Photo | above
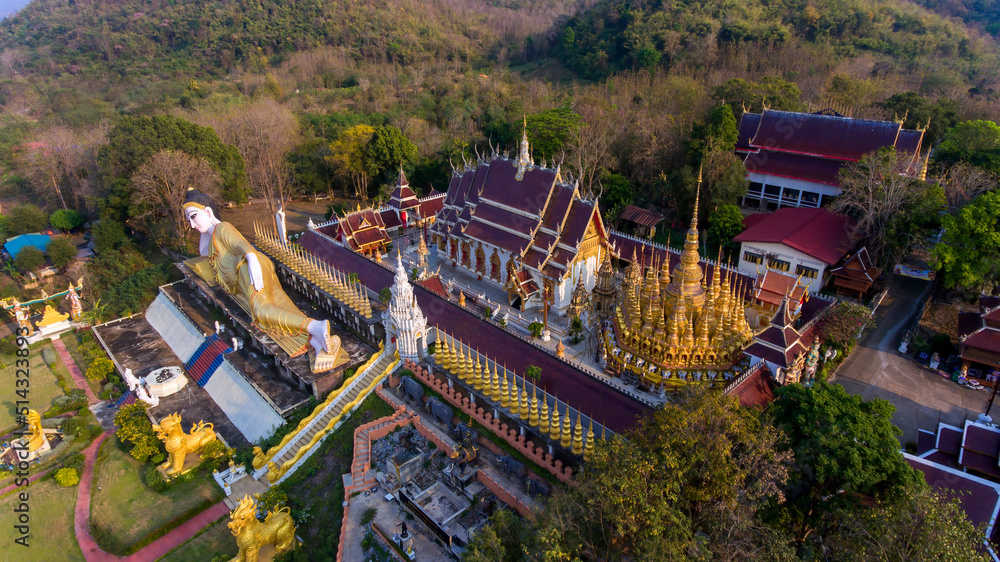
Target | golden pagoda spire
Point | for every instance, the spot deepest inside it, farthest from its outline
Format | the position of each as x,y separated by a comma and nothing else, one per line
588,451
543,421
495,380
533,410
554,426
441,349
504,391
515,397
477,375
578,436
566,438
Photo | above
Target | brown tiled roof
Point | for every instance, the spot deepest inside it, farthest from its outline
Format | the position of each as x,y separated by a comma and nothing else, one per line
859,267
827,136
986,340
767,353
533,259
502,217
528,195
430,205
434,285
603,403
640,216
579,219
390,219
507,240
544,240
370,236
772,286
558,207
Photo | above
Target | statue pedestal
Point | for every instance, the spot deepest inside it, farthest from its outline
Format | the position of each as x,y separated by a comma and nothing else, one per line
166,381
190,463
267,553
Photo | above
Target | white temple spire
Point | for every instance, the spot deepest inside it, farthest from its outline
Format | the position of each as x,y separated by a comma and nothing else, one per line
405,324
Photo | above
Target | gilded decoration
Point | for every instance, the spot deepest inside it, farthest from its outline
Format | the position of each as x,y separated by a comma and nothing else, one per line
251,534
677,325
179,444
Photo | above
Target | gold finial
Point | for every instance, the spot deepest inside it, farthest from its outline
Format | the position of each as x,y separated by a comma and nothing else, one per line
554,426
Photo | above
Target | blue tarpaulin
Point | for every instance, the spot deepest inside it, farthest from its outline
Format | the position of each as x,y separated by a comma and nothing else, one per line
14,245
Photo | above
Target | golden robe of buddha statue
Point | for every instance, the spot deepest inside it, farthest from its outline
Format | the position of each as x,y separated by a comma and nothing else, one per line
247,275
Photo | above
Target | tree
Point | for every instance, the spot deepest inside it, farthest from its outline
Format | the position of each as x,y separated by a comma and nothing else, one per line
161,183
67,477
55,155
505,538
265,132
589,144
772,91
891,209
387,149
968,253
61,251
725,222
109,235
135,428
134,140
846,455
686,483
923,526
25,218
617,195
974,142
533,372
348,157
64,219
550,130
918,111
844,323
964,182
99,369
717,134
29,259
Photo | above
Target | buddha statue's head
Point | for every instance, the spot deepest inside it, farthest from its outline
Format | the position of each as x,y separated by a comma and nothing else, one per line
201,211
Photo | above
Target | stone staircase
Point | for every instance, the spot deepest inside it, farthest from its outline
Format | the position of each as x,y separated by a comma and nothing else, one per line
362,475
336,408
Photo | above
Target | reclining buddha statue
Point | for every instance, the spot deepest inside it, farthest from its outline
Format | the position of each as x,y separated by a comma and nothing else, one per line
230,261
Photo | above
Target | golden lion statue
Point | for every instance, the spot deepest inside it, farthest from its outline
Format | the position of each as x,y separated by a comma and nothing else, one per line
178,443
277,529
36,435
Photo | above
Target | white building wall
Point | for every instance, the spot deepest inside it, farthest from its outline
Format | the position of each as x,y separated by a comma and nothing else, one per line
781,252
787,198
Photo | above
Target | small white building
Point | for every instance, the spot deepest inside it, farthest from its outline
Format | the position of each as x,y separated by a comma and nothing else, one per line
804,242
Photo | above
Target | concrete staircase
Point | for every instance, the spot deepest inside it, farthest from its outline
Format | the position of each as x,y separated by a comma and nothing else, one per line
336,408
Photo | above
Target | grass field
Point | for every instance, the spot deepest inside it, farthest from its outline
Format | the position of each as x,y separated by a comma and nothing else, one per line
82,360
124,511
212,541
51,511
42,390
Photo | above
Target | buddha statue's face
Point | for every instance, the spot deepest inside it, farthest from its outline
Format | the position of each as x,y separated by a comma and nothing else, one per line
201,220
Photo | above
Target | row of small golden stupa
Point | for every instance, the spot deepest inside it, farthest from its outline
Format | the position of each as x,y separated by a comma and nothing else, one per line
317,271
460,360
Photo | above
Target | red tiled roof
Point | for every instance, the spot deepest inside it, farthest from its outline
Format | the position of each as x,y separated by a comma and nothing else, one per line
794,166
577,222
757,390
431,205
828,136
767,353
772,286
640,216
487,212
390,218
434,285
497,237
603,403
986,340
980,499
815,232
528,195
747,129
558,207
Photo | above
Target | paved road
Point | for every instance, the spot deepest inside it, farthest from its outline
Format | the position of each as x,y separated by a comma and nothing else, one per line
876,370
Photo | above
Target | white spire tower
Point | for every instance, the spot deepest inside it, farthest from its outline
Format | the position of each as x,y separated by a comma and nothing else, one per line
405,325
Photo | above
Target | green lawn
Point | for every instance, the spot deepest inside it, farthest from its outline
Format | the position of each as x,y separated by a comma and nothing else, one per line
51,534
213,540
42,390
125,513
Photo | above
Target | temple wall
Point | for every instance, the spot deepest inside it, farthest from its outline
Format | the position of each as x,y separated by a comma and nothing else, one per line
249,412
782,252
174,327
509,434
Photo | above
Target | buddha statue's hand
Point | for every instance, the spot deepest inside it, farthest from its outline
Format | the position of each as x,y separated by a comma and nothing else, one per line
256,274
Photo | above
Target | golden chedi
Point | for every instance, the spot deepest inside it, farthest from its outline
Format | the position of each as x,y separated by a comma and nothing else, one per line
681,321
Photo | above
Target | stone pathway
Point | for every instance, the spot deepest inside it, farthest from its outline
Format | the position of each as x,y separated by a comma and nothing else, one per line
31,478
158,548
74,370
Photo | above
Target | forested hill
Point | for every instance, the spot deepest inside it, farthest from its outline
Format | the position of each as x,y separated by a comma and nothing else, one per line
978,13
622,34
101,38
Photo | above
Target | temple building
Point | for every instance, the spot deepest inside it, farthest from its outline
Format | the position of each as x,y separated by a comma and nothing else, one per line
794,159
521,226
370,231
672,323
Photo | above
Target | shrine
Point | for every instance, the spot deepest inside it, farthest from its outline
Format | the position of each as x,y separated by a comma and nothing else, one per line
521,226
678,324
